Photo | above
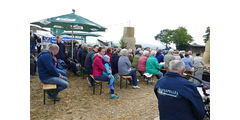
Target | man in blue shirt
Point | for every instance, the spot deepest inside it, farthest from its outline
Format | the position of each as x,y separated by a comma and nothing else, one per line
47,71
178,98
188,62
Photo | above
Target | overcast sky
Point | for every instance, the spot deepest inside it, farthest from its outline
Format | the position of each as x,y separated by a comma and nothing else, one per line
148,18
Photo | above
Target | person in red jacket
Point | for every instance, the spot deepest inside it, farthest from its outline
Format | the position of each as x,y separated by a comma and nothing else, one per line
109,53
98,69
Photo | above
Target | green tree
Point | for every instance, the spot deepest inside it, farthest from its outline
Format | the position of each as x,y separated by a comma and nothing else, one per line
206,36
181,38
165,37
122,43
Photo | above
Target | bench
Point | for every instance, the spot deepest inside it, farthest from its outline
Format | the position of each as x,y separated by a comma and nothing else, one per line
149,77
96,82
126,77
47,87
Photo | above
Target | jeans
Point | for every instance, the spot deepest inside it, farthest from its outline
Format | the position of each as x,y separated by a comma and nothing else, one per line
61,84
159,76
104,78
32,49
74,67
134,77
62,71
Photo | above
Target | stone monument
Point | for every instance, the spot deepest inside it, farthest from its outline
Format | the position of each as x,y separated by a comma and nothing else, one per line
128,37
206,55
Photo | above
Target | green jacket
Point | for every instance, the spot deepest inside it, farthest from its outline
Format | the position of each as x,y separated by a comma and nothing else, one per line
135,61
152,65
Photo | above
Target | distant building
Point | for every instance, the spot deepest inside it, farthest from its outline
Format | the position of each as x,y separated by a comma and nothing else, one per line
195,48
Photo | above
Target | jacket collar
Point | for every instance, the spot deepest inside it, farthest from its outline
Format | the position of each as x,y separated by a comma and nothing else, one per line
173,74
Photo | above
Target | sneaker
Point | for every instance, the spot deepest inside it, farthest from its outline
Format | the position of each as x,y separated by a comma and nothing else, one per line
113,96
136,87
57,98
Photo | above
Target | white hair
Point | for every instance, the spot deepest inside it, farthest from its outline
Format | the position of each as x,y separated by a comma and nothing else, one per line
171,51
123,52
189,52
176,65
153,52
145,52
53,47
141,52
138,49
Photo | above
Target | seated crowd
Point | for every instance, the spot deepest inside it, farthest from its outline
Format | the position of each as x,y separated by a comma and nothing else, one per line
107,64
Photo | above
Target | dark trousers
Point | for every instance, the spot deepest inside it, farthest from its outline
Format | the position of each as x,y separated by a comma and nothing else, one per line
141,73
134,77
39,49
32,49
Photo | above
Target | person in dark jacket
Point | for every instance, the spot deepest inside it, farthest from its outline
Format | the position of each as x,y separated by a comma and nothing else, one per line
82,55
114,63
33,42
178,98
33,65
78,51
47,71
88,63
62,55
159,56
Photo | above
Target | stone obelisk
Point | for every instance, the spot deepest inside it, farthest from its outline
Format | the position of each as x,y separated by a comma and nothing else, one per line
206,55
128,37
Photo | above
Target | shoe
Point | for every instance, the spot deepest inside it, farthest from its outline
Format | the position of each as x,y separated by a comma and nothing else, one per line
113,96
136,87
57,98
137,79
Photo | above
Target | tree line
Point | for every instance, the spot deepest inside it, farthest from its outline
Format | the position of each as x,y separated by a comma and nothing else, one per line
179,37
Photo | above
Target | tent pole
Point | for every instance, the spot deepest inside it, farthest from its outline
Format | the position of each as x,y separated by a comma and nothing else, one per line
72,42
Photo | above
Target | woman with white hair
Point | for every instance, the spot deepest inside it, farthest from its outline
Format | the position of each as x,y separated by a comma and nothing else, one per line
152,65
124,67
142,62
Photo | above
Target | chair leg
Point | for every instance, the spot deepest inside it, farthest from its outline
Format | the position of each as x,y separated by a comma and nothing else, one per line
44,96
93,88
100,88
126,82
120,83
54,96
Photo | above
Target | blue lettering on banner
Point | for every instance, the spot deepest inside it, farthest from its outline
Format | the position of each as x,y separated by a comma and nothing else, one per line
167,92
